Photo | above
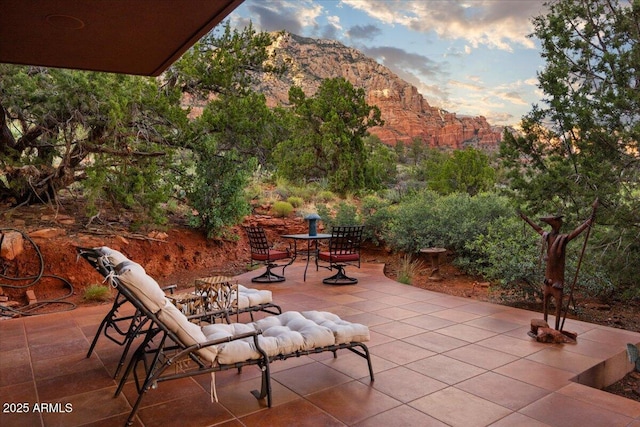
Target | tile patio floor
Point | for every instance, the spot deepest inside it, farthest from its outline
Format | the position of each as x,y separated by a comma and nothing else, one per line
439,361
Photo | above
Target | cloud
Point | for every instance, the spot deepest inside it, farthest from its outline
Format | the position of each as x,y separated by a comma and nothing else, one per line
395,58
498,118
514,98
334,21
293,16
498,24
467,86
366,32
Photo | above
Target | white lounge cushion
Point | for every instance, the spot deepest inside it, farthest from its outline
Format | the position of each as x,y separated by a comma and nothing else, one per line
344,332
189,333
233,351
114,257
282,334
249,297
133,276
290,331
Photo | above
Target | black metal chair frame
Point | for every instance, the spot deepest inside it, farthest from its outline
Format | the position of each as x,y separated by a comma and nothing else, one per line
163,356
263,253
344,250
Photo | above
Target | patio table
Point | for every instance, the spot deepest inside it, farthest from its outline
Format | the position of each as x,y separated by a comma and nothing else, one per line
312,247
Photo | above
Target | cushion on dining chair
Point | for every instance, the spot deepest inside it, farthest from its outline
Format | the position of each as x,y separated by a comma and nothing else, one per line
273,255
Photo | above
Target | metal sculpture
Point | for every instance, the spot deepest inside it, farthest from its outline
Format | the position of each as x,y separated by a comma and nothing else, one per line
555,257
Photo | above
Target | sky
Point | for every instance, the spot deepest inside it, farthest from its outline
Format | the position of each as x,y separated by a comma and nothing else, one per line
471,57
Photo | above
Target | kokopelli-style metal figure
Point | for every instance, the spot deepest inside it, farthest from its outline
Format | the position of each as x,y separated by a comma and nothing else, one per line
555,257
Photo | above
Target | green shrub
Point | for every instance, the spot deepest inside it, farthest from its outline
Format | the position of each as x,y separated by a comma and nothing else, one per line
428,220
97,293
325,196
217,193
376,215
507,255
282,209
295,201
345,214
325,215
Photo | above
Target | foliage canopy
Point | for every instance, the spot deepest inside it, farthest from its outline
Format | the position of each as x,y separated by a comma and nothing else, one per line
582,143
328,137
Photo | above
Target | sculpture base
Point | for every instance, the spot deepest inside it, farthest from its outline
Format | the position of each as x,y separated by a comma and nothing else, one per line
541,332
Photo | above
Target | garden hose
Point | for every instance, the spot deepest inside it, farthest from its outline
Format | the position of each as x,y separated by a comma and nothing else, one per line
30,310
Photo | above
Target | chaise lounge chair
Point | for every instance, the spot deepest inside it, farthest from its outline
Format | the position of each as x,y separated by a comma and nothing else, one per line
173,347
124,329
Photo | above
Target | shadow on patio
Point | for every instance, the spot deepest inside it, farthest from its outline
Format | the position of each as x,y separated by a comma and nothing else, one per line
439,360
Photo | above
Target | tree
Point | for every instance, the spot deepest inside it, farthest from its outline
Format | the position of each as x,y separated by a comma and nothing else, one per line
224,62
119,134
328,138
399,148
465,171
381,167
238,132
235,128
58,127
417,150
582,143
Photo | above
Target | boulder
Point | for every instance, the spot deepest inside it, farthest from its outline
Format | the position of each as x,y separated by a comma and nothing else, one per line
12,245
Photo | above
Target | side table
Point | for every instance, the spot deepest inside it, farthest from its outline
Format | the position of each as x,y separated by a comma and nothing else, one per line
434,254
220,294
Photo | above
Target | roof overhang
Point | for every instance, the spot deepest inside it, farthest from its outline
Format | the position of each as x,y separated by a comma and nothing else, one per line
141,37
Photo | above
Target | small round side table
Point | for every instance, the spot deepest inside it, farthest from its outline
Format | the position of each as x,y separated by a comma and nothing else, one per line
434,254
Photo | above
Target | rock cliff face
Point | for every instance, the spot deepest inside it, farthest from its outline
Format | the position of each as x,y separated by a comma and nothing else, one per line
406,113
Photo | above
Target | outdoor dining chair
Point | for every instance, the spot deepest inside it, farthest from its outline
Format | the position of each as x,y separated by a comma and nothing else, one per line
263,253
344,250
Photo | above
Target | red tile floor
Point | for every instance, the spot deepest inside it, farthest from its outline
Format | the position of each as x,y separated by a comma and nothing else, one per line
439,360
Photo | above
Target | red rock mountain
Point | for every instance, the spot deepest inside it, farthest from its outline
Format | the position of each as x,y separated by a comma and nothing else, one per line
406,113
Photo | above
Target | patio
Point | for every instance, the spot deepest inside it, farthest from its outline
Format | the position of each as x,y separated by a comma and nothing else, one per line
439,361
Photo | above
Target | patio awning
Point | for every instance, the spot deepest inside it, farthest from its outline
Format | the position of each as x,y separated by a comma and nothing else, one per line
139,37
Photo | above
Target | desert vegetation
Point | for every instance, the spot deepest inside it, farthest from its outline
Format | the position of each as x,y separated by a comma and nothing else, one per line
200,144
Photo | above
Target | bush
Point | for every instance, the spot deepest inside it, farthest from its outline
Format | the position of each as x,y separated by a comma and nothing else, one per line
282,209
217,193
508,256
325,196
376,214
428,220
296,202
345,214
97,293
